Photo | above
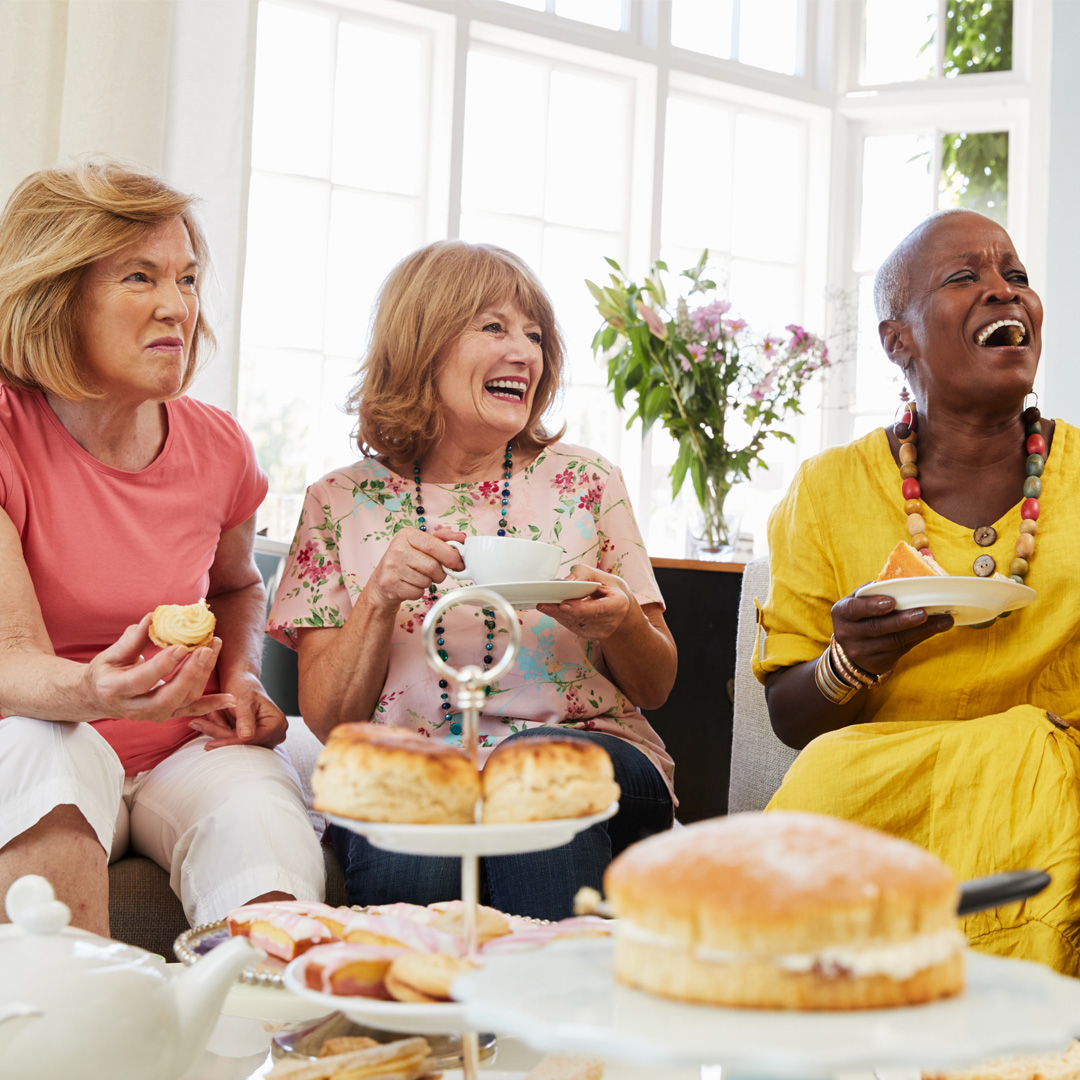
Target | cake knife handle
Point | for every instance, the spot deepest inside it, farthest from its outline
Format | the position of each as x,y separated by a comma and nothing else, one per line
981,893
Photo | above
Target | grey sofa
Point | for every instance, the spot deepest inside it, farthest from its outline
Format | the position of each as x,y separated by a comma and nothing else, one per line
758,758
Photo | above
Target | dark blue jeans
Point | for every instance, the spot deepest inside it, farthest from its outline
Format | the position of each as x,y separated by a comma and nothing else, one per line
541,884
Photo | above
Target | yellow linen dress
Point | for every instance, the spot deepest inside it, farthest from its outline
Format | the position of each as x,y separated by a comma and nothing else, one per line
967,750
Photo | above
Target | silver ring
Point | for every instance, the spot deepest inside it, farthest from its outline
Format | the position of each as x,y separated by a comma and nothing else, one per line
470,675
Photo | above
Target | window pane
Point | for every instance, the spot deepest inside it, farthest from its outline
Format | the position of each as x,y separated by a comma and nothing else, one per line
293,93
899,40
978,36
606,13
770,164
975,173
369,234
877,381
505,129
702,25
522,236
532,5
580,189
380,148
697,175
333,444
896,193
769,34
768,297
285,272
571,256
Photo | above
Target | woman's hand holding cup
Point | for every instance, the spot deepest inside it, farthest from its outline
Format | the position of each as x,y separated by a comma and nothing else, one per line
413,561
875,636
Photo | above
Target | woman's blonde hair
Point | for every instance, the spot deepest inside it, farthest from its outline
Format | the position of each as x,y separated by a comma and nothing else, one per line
56,223
424,305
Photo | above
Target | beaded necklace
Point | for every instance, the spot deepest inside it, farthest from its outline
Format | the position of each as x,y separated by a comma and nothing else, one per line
445,708
906,430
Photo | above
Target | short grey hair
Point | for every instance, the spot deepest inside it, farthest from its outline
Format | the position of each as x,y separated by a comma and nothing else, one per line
892,281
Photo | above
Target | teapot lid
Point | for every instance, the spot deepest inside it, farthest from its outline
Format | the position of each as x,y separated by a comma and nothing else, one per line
31,905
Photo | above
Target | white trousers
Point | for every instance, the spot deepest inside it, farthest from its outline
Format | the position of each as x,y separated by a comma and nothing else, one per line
227,824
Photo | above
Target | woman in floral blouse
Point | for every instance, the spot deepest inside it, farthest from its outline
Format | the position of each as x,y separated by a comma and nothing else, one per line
464,360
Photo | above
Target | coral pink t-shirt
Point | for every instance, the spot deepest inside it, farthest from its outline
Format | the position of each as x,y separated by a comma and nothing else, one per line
104,546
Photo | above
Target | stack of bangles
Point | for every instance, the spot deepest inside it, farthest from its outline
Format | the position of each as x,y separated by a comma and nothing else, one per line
838,679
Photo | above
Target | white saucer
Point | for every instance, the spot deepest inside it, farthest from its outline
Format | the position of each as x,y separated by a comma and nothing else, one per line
472,839
414,1018
527,594
967,599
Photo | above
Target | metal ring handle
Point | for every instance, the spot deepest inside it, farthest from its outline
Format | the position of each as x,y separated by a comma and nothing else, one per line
490,599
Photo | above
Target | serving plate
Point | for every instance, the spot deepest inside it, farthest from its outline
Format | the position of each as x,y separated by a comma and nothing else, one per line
414,1018
473,839
564,998
527,594
967,599
195,943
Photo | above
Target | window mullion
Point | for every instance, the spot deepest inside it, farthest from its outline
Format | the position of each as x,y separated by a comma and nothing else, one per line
457,142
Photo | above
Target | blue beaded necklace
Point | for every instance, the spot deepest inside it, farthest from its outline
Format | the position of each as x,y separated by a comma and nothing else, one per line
445,707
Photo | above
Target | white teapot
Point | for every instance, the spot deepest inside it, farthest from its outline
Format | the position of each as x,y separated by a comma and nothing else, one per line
73,1004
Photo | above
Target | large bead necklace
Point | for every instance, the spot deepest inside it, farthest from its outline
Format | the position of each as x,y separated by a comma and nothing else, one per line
906,430
445,708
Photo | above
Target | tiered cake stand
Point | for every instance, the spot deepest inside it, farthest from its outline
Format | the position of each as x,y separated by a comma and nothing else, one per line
467,842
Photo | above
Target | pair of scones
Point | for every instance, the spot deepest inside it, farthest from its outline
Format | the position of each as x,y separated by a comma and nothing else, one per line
373,772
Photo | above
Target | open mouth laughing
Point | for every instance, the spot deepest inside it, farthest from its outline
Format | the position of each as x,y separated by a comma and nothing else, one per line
1003,332
507,389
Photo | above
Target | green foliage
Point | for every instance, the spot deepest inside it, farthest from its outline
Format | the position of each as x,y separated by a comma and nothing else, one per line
978,36
975,172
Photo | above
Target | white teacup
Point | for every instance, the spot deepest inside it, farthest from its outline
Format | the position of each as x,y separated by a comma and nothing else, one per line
494,560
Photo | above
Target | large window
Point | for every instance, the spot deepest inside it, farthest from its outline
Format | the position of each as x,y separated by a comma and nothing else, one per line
797,141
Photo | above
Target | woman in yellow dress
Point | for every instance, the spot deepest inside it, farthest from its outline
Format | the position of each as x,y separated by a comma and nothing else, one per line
958,738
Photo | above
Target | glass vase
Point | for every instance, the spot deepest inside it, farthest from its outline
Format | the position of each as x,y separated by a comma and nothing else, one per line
713,525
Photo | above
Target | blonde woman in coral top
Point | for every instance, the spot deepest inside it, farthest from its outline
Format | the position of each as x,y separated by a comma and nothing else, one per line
117,494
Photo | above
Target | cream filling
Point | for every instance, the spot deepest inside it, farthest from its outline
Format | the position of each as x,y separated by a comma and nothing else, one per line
898,960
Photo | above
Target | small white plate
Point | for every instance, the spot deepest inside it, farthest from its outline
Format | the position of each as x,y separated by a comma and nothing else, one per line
472,839
967,599
414,1018
527,594
564,998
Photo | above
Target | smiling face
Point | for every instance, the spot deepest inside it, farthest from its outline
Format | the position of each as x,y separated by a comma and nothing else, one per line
971,330
139,309
487,380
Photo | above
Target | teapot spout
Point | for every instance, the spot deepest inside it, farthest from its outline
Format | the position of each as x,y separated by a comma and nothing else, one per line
13,1018
200,991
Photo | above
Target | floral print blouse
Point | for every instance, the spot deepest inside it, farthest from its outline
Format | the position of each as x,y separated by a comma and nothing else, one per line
567,496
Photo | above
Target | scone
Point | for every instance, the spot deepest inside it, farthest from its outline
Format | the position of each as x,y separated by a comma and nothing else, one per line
543,778
394,776
191,625
785,910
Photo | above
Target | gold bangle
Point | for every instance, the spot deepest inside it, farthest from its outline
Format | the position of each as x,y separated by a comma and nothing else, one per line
829,686
851,673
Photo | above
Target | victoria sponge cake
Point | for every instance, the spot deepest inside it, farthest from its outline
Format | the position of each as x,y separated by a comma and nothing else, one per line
785,910
376,773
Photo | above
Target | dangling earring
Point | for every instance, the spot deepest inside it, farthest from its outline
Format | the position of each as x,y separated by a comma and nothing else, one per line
1032,416
904,428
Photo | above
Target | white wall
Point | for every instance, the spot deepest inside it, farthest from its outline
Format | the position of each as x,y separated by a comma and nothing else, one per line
1061,353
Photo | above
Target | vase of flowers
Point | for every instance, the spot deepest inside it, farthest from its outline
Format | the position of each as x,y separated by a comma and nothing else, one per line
720,389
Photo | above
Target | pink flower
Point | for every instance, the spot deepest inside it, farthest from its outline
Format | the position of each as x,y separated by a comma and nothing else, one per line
697,352
771,345
733,327
655,323
684,363
706,319
489,490
563,482
590,498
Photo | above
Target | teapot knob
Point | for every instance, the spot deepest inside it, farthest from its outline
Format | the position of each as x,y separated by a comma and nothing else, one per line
32,905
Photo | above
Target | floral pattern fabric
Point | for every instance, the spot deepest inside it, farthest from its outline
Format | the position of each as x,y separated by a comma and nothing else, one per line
567,496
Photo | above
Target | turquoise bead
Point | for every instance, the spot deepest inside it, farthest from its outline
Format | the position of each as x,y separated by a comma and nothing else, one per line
1017,578
1034,465
455,729
1032,487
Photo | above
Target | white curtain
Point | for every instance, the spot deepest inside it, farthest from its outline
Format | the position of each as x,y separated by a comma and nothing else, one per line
166,84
